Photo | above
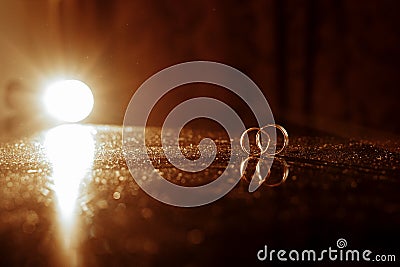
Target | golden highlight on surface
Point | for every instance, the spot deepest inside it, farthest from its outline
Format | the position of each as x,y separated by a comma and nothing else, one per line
70,149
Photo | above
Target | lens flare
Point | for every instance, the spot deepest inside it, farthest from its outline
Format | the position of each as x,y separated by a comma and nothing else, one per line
68,100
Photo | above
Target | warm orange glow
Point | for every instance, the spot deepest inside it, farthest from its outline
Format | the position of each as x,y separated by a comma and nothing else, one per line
68,100
70,149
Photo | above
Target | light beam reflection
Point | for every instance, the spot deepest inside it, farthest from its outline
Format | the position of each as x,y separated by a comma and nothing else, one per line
70,149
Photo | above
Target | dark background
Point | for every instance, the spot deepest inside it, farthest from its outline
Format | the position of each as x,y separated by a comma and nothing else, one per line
334,62
314,60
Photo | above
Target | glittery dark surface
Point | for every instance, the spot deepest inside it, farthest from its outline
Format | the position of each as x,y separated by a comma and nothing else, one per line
337,188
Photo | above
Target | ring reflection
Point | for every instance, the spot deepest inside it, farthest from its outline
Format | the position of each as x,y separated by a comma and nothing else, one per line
257,171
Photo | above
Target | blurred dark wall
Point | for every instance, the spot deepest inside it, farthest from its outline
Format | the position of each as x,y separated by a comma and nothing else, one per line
337,60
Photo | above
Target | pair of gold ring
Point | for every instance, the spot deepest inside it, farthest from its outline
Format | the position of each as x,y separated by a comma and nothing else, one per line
264,146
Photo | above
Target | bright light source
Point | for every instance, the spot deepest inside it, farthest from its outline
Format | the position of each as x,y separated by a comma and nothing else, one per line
68,100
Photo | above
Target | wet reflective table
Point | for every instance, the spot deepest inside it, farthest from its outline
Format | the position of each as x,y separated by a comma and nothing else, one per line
68,199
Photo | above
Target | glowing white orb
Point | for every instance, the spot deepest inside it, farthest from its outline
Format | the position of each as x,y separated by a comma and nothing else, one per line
68,100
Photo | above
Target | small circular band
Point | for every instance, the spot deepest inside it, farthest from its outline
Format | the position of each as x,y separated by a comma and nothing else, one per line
285,139
263,150
243,136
